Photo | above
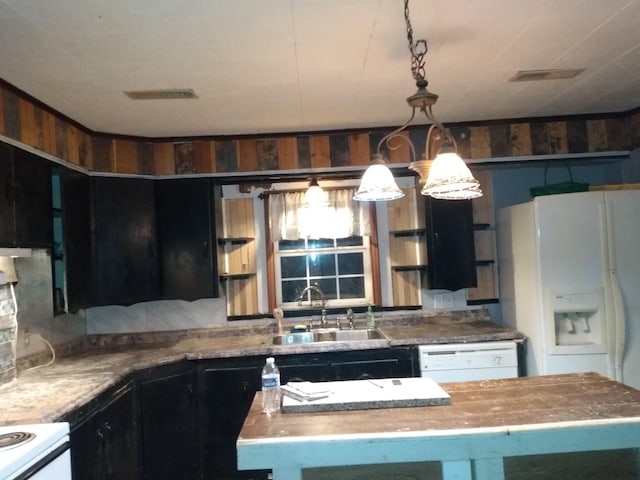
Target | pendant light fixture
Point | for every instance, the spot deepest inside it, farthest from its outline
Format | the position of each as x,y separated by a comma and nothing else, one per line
448,176
377,183
315,196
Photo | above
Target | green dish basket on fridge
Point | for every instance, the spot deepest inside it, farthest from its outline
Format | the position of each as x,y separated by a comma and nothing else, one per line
556,188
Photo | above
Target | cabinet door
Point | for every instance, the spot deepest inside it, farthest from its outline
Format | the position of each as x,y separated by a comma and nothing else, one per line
33,203
450,246
168,421
186,235
124,232
25,199
104,446
226,395
76,218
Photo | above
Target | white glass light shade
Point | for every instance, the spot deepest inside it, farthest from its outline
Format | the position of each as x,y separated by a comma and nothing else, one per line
315,196
378,184
450,179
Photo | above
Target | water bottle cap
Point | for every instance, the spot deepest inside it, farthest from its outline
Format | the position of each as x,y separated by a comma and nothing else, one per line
271,360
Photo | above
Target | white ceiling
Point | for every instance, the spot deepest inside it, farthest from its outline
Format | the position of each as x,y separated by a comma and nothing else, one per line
266,66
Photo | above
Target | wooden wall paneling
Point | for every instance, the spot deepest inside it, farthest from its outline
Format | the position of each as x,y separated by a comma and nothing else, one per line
242,296
125,156
486,288
618,133
634,130
49,133
304,151
557,137
359,149
164,159
483,211
406,288
499,136
62,147
11,115
247,156
597,135
407,250
484,241
339,150
577,136
462,136
520,139
287,153
29,132
73,145
205,152
85,152
102,154
404,213
144,153
480,143
227,156
185,158
267,155
320,151
539,138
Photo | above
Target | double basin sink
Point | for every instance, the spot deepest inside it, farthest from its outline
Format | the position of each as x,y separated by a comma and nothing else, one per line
328,335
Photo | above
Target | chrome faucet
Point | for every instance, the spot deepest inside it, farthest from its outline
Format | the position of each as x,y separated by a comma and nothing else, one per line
323,299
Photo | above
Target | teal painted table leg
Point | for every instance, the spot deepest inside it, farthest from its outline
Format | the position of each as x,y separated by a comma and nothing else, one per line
287,474
488,469
456,470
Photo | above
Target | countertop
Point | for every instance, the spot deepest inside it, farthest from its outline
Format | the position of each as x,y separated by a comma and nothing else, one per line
484,422
49,393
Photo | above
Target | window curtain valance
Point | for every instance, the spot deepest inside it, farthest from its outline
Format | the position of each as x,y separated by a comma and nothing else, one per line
291,219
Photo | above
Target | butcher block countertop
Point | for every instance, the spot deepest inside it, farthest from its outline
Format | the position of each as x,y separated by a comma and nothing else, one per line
47,394
485,421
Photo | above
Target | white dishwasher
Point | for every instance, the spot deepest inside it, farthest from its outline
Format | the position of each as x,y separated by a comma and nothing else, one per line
459,362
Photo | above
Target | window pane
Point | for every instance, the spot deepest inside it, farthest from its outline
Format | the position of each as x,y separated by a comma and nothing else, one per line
291,289
328,287
321,243
352,287
349,241
293,267
350,263
322,265
291,244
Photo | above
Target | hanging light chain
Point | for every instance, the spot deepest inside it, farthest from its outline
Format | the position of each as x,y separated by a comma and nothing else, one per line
418,49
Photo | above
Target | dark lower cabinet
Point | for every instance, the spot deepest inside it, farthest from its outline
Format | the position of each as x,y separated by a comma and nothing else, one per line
168,423
228,386
104,437
227,389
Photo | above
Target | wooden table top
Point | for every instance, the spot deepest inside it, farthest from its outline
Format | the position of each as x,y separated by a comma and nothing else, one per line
583,398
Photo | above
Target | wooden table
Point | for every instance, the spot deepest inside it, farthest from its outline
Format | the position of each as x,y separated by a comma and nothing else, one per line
486,421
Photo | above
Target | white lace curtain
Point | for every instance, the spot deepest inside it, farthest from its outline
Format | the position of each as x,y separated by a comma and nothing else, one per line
291,219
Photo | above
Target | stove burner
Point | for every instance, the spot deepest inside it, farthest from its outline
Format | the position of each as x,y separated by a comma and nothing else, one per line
13,439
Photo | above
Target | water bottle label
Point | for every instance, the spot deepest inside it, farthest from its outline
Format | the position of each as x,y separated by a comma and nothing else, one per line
270,381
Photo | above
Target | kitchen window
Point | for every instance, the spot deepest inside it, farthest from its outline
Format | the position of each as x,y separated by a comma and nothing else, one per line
327,246
341,268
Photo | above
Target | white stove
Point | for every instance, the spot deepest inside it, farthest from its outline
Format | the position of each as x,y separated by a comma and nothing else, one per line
35,452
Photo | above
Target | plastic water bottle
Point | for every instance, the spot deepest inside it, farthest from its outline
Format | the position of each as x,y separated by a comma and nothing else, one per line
270,387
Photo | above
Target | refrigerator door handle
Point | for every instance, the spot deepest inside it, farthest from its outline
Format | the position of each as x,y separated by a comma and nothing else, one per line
616,292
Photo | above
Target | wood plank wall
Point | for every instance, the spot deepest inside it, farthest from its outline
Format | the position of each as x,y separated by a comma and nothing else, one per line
26,121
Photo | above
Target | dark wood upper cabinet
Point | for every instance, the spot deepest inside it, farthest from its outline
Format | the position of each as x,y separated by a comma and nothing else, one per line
125,256
450,244
75,190
25,199
186,238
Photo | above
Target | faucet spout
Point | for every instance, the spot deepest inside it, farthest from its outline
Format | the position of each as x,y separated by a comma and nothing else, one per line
309,290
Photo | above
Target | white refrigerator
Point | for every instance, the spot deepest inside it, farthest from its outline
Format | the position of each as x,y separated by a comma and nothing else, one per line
570,281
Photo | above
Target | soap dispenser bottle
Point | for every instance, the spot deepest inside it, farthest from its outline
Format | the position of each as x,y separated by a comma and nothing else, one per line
371,321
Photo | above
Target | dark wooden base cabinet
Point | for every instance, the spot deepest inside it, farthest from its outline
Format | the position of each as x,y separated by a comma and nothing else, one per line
104,437
181,421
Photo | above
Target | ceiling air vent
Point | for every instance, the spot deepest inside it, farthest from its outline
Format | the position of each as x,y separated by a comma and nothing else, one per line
551,74
161,94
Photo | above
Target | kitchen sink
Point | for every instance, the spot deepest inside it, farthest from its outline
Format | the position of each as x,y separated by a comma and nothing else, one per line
328,335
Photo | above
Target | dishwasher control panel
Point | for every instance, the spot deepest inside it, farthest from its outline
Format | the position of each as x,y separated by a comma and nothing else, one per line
456,362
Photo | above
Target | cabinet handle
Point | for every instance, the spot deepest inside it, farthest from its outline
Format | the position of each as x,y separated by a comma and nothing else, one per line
108,447
205,249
